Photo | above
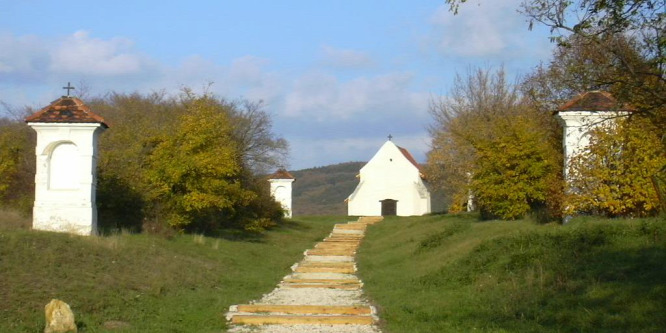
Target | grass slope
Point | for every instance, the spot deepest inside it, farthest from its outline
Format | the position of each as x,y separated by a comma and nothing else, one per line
454,274
184,284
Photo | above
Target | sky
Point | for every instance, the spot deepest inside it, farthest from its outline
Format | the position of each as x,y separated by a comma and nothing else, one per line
337,76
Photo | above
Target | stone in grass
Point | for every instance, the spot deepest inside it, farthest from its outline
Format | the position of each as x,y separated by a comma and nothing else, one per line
59,317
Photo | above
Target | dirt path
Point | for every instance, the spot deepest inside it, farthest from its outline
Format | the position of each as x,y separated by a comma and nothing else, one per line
322,294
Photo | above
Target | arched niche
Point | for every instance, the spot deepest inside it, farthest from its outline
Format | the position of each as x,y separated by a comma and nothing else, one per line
280,192
63,166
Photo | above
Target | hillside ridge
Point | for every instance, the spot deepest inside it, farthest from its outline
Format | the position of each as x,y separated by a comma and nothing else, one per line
323,190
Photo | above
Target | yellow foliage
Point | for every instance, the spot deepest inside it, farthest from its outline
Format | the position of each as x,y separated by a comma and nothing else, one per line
615,175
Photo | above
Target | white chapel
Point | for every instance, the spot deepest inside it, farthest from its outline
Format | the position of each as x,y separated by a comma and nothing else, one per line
391,183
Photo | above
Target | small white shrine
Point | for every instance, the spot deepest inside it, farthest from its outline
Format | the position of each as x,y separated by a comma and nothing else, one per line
66,174
583,114
391,183
281,182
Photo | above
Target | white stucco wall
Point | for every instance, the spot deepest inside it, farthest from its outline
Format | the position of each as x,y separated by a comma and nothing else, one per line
577,126
65,178
389,175
281,192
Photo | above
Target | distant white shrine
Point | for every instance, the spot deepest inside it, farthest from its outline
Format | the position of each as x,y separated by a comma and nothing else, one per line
583,114
391,183
66,176
281,182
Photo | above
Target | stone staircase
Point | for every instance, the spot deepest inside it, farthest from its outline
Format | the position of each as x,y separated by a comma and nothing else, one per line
322,294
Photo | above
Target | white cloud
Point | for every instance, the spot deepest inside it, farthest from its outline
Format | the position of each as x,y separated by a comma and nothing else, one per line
344,58
481,28
81,54
22,58
323,97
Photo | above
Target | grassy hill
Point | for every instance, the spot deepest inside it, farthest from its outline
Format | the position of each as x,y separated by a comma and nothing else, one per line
439,273
322,190
455,274
153,284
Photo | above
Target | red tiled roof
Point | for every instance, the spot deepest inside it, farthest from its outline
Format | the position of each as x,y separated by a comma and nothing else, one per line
409,157
595,101
281,174
66,110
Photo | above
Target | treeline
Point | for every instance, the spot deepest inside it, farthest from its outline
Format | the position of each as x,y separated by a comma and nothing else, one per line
498,142
189,163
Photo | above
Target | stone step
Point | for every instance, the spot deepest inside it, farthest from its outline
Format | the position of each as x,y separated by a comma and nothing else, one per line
306,309
344,270
347,234
348,231
326,264
330,252
322,281
302,320
342,238
335,246
328,259
350,226
321,286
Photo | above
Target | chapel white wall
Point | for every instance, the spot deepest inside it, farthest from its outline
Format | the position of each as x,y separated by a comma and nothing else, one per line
65,186
389,175
281,190
577,126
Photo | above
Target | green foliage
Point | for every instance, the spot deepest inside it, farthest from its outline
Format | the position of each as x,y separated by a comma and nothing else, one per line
592,274
615,175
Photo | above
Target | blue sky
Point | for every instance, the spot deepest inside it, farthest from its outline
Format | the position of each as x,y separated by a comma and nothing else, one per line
337,76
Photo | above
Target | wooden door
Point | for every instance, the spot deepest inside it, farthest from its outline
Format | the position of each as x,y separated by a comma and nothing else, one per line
389,207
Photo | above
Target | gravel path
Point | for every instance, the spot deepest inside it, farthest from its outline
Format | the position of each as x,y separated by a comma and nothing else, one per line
285,295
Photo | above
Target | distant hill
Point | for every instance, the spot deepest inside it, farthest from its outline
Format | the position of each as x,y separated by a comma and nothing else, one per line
323,190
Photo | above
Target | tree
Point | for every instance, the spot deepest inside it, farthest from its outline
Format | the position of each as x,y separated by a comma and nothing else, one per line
17,164
150,140
260,149
195,171
490,141
609,26
614,176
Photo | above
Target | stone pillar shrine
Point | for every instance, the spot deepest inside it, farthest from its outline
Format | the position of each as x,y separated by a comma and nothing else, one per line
583,114
281,189
66,173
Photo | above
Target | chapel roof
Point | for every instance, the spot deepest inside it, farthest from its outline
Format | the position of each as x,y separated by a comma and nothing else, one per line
409,157
595,101
281,174
66,109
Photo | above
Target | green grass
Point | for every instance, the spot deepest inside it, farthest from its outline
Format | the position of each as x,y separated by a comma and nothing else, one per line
184,284
455,274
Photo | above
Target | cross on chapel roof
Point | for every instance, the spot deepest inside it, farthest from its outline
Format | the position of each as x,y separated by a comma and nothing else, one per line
69,87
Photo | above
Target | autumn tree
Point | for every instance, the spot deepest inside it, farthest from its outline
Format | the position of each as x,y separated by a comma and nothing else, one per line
487,140
617,46
191,162
195,171
615,175
17,160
